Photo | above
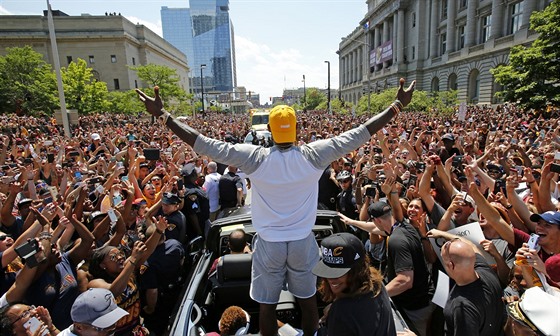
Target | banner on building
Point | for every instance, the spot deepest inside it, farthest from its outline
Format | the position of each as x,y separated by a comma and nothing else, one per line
384,52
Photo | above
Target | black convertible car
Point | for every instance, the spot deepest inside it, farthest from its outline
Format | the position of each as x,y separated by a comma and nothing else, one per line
204,299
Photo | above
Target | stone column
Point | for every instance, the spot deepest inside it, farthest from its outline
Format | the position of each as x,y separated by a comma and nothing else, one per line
451,30
434,20
400,36
376,42
386,37
497,18
529,6
470,33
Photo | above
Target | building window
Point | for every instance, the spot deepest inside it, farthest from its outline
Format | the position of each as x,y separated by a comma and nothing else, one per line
413,20
69,59
444,9
461,39
413,52
133,61
113,58
443,43
91,59
516,17
117,85
486,28
462,4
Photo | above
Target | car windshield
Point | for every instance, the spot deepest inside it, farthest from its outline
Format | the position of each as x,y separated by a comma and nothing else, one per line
260,119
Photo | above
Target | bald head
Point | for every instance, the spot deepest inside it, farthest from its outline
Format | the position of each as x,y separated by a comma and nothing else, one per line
461,254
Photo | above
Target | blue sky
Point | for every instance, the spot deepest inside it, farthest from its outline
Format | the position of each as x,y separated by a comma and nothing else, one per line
277,41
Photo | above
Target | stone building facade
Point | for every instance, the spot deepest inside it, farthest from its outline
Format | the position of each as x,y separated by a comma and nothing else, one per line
442,44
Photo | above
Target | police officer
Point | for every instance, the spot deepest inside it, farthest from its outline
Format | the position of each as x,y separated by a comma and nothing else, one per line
160,281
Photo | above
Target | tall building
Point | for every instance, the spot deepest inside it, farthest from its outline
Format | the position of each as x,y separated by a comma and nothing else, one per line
109,45
442,44
204,32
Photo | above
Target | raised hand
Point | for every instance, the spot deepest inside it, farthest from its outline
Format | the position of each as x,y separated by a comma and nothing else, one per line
153,105
405,96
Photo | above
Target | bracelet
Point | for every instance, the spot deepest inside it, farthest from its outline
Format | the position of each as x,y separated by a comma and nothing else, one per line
395,108
399,104
163,118
132,262
394,192
159,231
45,235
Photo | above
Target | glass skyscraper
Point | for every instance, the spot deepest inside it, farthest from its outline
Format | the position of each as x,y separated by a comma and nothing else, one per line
204,32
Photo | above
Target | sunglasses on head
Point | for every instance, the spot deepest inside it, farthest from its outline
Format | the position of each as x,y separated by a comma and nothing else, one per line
3,237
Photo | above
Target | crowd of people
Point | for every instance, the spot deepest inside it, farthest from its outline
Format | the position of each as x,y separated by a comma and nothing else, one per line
110,212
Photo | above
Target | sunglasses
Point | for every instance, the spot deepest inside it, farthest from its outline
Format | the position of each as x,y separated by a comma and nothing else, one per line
346,180
3,237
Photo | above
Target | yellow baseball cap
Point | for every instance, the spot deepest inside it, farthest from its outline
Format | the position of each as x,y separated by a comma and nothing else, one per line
282,122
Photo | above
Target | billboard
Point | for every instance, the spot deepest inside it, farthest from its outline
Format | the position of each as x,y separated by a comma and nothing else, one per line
384,52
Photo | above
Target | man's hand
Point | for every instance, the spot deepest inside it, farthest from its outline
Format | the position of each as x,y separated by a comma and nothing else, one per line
154,105
404,96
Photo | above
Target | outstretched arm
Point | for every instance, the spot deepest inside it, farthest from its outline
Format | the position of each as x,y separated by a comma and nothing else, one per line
155,107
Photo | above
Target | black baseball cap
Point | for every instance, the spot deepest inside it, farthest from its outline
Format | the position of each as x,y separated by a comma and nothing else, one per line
378,209
340,252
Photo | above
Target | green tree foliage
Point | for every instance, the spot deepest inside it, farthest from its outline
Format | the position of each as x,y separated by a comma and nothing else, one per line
27,83
81,90
124,102
533,73
167,80
315,99
439,102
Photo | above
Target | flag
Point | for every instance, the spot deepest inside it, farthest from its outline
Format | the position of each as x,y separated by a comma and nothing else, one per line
366,25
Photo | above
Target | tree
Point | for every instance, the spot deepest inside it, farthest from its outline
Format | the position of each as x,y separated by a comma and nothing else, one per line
315,99
532,76
167,80
439,102
82,91
27,82
124,102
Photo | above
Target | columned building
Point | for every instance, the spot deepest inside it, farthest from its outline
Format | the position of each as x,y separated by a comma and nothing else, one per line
109,44
442,44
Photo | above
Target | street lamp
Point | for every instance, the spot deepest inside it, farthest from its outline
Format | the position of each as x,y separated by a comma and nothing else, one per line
202,66
329,86
304,96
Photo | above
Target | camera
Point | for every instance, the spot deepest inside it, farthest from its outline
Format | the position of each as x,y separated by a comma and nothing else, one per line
371,191
420,166
27,252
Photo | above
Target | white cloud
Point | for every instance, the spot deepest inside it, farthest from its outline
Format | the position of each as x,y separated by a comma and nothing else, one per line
155,27
268,72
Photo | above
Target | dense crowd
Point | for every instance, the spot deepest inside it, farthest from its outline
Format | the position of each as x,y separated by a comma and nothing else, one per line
116,205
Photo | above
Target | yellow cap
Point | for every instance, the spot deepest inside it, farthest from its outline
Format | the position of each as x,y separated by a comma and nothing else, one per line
282,121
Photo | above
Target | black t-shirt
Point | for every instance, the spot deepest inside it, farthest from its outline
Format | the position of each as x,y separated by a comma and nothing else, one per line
362,315
405,254
328,190
228,185
476,308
